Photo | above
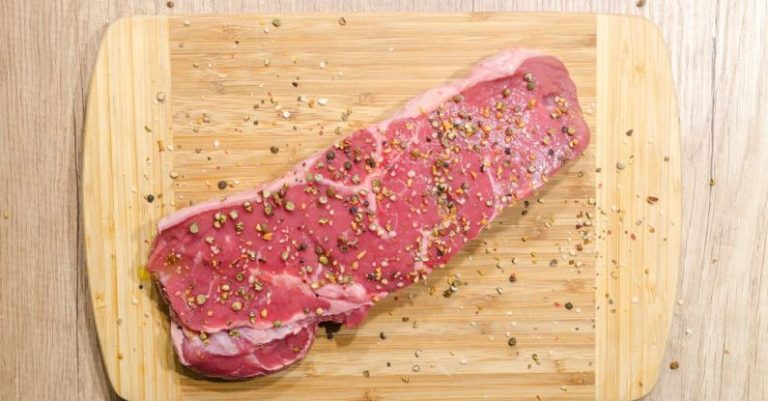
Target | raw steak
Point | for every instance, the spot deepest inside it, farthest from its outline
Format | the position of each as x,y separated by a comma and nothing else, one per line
249,277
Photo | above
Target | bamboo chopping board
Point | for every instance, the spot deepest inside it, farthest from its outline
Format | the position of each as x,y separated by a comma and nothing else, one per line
179,104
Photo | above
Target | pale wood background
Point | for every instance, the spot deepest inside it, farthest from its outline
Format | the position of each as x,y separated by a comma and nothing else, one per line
719,55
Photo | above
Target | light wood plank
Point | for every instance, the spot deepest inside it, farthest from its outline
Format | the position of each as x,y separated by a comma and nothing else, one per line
38,213
726,304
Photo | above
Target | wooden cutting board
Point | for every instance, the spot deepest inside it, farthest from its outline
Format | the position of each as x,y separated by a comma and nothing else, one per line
173,111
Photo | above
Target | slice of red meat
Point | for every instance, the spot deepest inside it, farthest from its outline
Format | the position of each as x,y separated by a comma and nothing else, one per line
249,277
229,356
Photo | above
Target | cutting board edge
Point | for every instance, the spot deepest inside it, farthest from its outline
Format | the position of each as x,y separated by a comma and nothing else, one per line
99,130
90,131
646,70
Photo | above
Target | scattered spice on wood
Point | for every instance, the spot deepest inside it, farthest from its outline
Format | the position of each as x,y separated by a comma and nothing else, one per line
170,4
342,21
553,263
160,96
276,22
222,185
174,174
621,165
651,200
382,336
274,149
512,341
640,3
568,305
452,288
674,365
150,198
513,278
712,182
367,373
630,132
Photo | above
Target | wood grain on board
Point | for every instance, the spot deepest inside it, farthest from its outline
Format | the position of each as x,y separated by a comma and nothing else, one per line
194,101
639,194
127,130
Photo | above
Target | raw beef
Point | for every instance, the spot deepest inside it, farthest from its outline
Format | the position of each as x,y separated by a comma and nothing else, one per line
249,277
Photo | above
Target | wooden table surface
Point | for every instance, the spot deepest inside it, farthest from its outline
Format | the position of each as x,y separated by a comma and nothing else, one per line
719,334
